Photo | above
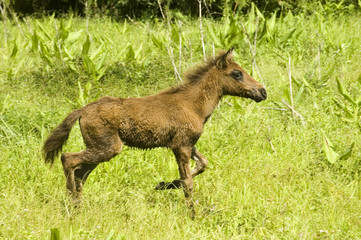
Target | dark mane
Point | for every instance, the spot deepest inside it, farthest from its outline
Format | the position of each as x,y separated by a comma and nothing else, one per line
195,74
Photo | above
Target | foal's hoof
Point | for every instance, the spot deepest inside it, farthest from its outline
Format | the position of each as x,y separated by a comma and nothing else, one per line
169,185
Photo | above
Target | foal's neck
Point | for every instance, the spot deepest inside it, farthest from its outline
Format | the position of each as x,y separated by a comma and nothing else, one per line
205,97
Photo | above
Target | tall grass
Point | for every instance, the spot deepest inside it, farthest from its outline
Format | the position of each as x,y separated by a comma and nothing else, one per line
286,168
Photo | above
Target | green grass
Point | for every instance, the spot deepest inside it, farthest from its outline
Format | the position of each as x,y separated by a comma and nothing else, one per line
268,177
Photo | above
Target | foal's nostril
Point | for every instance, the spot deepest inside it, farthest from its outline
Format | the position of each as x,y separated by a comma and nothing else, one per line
263,92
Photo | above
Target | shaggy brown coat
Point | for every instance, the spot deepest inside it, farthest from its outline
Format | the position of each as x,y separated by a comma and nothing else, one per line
173,118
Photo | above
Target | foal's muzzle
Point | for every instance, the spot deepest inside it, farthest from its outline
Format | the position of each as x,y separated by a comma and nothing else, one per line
260,94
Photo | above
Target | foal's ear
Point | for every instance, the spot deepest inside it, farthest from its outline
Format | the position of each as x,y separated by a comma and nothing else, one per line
224,59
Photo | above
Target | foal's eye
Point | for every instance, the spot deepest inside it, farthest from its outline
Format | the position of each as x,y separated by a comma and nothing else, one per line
238,75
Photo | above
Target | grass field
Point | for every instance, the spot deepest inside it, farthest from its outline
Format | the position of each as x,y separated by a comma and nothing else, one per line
286,168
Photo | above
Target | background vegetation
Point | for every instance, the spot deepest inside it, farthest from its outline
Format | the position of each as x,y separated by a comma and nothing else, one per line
120,9
286,168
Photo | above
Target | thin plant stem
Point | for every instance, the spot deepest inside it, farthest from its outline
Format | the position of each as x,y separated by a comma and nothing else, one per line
253,49
180,45
161,10
290,82
170,49
201,29
3,12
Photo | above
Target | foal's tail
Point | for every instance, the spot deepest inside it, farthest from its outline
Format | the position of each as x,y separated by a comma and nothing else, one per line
54,143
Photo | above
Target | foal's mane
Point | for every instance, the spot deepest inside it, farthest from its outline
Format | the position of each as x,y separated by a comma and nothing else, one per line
195,74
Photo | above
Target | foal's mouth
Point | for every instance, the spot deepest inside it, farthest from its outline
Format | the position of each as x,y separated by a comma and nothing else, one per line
259,94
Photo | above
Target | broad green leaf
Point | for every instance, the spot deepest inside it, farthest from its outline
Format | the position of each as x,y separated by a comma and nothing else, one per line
14,51
45,53
44,30
137,53
10,74
68,54
344,92
297,33
307,84
259,14
73,36
64,33
88,64
56,49
299,93
110,235
86,46
87,88
175,33
71,65
343,107
130,52
349,120
327,148
101,62
271,24
358,101
347,153
34,41
286,93
97,52
270,28
69,23
71,102
80,99
251,27
54,234
215,38
101,73
157,42
359,76
288,35
125,26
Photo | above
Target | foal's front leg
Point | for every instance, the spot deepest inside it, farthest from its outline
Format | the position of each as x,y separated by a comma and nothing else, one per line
201,164
183,155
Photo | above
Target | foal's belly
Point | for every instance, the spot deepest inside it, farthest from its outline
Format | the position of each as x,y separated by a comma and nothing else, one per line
146,138
159,137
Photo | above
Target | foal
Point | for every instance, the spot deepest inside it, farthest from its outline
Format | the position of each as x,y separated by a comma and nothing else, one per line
173,118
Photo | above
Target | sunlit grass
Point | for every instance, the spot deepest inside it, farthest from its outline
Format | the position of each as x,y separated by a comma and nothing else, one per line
267,177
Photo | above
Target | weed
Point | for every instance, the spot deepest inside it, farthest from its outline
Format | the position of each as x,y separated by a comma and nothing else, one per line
271,174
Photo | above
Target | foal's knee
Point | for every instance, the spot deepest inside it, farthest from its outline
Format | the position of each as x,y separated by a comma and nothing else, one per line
63,158
188,184
203,165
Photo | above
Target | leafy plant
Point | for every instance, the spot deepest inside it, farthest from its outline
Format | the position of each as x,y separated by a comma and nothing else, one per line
331,154
131,55
96,70
229,35
350,106
243,140
55,48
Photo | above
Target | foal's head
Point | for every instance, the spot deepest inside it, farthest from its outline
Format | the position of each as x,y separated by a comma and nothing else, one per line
235,81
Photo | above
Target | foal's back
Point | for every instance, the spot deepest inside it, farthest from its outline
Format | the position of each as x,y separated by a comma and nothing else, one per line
161,120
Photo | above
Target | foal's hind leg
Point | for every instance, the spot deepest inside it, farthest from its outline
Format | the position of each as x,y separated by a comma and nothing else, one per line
201,162
82,174
66,159
75,175
77,166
